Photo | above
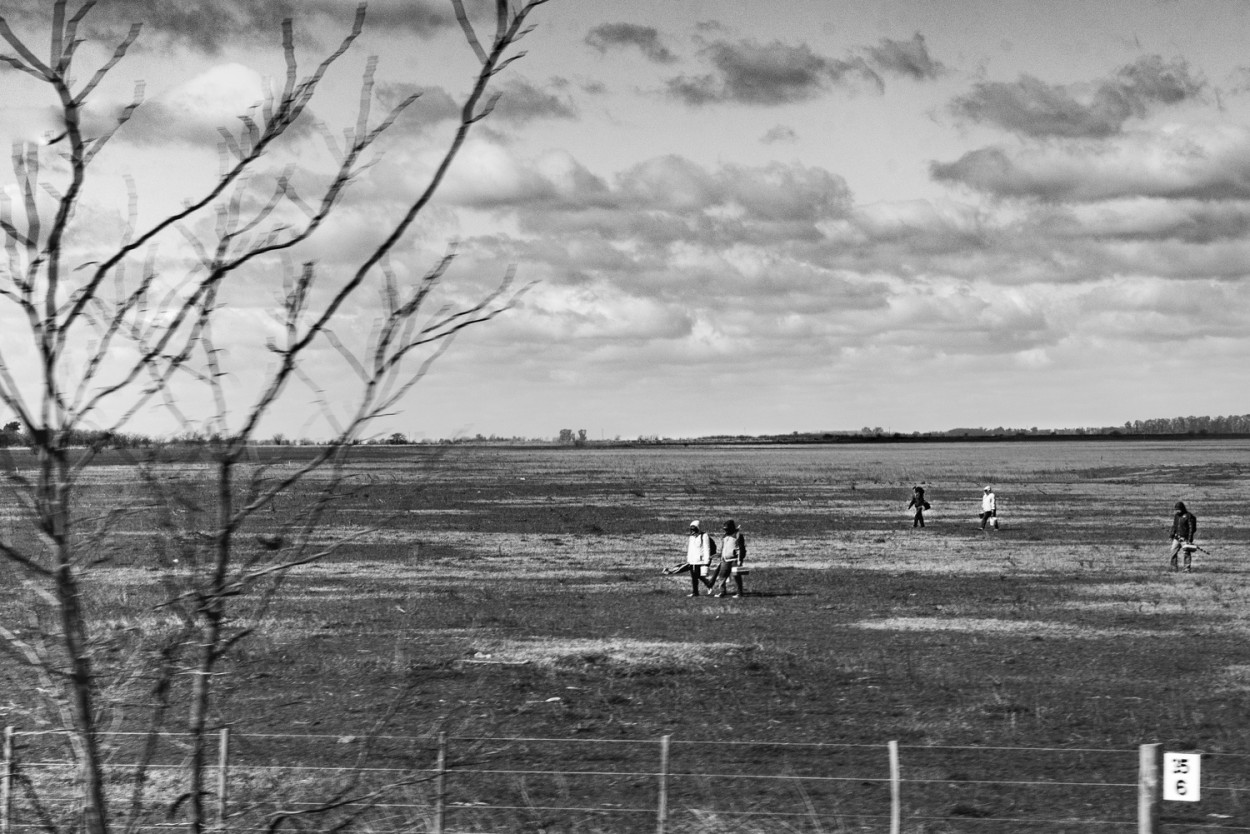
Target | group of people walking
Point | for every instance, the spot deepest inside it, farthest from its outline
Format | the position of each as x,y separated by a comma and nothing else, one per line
1184,524
712,567
989,507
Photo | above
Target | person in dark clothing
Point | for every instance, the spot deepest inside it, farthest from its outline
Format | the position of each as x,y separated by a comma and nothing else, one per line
917,501
733,553
1184,526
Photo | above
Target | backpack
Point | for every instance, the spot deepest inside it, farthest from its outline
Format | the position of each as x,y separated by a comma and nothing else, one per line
711,544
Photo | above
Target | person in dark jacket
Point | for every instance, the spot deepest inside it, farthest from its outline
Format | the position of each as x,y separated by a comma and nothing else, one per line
1184,526
733,553
917,501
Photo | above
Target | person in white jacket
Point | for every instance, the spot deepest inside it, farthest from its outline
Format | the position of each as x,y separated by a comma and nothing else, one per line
989,508
700,548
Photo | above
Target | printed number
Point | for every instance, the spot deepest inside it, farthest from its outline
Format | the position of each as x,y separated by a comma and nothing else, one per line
1180,766
1180,787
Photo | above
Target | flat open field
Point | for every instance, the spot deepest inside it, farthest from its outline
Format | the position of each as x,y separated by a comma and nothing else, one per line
518,593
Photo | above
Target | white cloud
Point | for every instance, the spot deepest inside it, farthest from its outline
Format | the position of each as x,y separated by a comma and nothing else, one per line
216,97
1202,161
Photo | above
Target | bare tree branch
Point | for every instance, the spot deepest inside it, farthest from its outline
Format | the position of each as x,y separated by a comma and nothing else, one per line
116,332
469,34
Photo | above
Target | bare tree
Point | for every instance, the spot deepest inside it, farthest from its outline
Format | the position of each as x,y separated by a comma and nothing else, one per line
112,332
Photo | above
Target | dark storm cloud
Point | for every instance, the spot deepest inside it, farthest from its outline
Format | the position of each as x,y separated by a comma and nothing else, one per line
747,72
620,35
1031,107
906,58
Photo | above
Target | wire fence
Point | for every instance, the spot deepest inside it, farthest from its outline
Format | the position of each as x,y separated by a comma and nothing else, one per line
462,784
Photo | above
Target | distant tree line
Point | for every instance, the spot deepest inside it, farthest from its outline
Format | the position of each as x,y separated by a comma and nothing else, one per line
568,437
1232,424
14,435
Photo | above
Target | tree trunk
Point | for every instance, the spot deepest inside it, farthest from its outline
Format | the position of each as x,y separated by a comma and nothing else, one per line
211,616
56,484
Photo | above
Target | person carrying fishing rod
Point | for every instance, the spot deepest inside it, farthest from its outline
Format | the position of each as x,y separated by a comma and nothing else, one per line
700,548
1184,527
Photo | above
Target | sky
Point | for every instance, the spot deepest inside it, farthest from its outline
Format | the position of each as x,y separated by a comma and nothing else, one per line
734,217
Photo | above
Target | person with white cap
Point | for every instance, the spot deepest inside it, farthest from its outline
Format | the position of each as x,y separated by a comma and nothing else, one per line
733,553
989,508
700,548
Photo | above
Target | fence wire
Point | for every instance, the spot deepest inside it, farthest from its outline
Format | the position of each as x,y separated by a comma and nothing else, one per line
490,784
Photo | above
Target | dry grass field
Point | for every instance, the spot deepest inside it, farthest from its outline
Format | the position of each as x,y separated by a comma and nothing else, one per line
509,593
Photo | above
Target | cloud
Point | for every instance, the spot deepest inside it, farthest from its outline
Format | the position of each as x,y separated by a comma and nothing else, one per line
208,27
1031,107
433,105
1176,162
770,192
620,35
665,191
779,133
909,58
192,112
671,201
520,102
672,266
1192,221
748,72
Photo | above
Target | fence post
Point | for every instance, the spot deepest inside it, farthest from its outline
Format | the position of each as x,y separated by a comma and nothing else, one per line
6,782
440,771
662,814
1148,789
223,775
896,802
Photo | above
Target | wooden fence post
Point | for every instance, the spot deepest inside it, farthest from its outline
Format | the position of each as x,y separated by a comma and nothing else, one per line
896,801
223,775
6,782
1148,789
662,814
440,771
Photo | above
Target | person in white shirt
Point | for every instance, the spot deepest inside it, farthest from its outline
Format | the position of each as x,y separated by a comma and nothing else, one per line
989,508
700,548
733,554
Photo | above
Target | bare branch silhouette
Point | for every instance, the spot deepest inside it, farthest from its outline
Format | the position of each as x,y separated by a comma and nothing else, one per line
116,329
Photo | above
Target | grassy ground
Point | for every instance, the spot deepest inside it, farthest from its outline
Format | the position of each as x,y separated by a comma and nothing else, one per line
518,593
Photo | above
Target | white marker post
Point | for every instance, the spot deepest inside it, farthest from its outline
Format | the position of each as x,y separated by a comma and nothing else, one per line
1182,777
